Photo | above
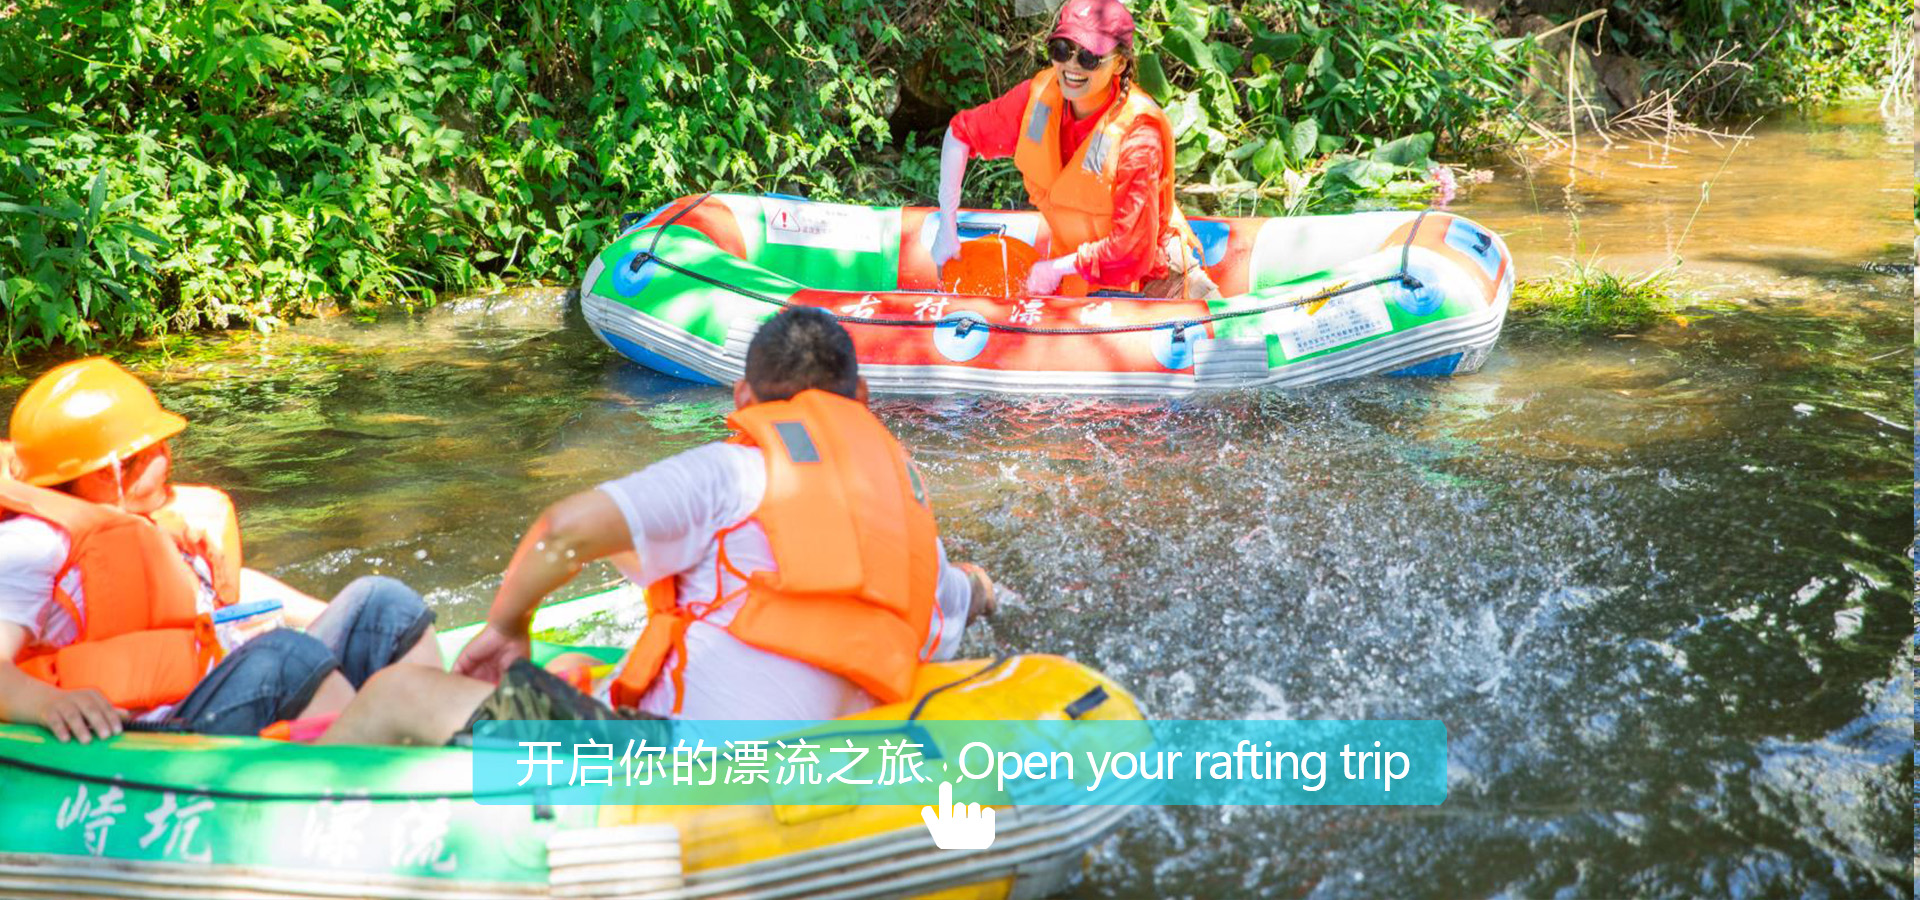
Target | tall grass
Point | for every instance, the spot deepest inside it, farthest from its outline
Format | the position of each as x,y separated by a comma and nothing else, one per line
1584,298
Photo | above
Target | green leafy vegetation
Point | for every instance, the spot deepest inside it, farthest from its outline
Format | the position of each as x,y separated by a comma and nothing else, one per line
1777,52
1586,299
1299,106
169,166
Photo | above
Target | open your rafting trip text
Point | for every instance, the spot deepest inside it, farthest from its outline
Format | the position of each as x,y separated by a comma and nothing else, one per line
1247,761
1086,762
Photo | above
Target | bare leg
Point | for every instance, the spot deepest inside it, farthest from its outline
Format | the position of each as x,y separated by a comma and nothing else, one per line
334,695
426,652
408,705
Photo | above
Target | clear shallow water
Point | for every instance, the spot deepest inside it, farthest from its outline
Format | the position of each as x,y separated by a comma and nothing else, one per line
1802,198
1657,587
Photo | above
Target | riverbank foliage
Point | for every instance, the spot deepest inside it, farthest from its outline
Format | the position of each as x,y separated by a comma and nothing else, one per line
167,165
1775,52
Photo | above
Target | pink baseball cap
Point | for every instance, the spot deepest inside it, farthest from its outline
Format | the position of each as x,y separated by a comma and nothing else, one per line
1098,25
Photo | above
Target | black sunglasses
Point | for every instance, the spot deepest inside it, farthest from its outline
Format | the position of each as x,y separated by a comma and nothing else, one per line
1060,50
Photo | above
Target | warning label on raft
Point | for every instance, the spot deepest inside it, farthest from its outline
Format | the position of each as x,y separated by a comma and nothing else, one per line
828,226
1342,320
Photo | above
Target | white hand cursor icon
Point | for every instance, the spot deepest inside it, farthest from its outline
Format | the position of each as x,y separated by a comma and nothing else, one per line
958,826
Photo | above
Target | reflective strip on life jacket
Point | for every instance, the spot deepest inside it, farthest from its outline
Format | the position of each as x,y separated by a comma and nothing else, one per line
854,547
1077,197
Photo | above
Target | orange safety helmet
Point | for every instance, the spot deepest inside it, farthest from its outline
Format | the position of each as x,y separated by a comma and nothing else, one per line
991,266
83,416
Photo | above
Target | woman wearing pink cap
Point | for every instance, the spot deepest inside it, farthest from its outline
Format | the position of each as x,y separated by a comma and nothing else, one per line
1096,154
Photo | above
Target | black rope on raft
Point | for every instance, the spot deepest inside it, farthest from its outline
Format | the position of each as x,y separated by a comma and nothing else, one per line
963,326
1406,249
921,706
644,255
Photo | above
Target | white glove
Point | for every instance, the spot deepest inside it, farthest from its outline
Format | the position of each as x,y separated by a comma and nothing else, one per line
1046,275
953,168
946,244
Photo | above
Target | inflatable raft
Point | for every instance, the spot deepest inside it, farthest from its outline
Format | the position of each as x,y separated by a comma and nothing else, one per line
1308,299
165,815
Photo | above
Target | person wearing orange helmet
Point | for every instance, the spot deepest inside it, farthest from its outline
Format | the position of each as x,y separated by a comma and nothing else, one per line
110,576
1096,156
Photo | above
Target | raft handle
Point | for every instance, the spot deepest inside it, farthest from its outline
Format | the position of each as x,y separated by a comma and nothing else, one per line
978,229
1087,703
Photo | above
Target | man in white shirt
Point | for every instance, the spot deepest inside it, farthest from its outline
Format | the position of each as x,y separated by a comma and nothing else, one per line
696,526
666,521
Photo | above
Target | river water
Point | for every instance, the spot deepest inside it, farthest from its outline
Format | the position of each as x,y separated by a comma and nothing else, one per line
1657,587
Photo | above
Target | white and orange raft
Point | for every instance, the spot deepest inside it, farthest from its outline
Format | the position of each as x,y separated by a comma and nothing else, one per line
1307,299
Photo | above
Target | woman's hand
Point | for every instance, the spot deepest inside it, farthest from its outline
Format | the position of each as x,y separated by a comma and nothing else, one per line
1047,274
953,168
946,243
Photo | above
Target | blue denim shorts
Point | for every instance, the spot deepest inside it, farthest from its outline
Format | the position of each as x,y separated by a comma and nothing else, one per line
367,626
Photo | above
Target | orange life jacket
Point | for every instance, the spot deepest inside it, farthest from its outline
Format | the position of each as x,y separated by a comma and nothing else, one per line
854,547
142,640
1077,198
